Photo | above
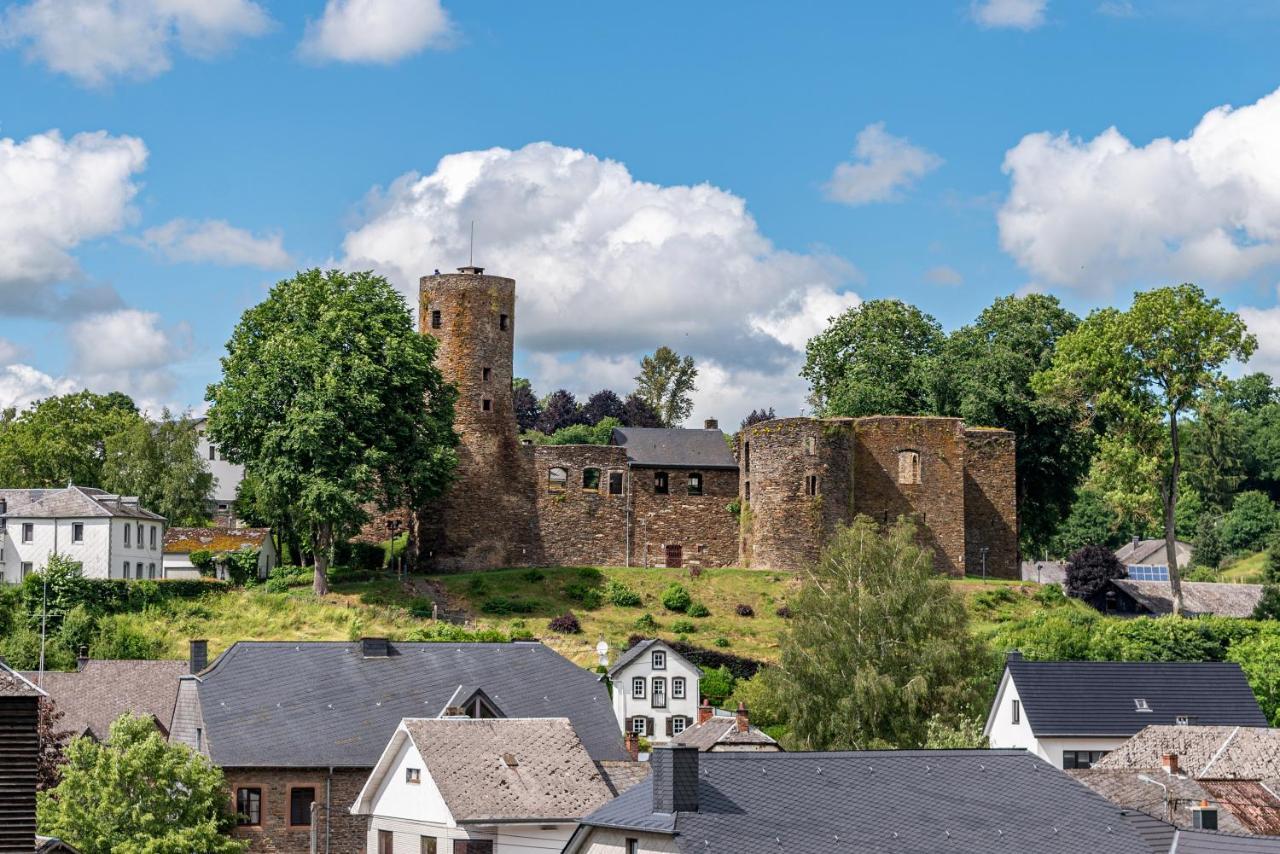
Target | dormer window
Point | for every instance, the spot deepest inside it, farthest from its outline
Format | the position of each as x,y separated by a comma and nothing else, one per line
659,660
1140,705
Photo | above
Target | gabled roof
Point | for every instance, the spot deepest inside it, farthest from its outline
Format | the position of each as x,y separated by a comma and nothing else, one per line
14,684
73,502
641,647
1149,551
1217,752
674,447
1208,842
93,697
957,801
1198,597
1100,698
185,540
322,703
721,732
530,769
1131,789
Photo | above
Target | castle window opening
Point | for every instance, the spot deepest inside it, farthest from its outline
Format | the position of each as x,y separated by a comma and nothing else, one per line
435,319
503,322
557,478
811,485
484,374
695,483
660,486
746,489
810,445
591,480
746,457
908,467
615,483
486,404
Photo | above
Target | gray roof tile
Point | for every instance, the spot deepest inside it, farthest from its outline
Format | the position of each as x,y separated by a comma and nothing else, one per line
90,699
675,447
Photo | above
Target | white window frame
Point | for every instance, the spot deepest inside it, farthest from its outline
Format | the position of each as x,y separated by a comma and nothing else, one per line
1017,711
126,569
26,568
28,532
639,726
677,688
153,537
659,659
677,724
659,699
77,532
638,688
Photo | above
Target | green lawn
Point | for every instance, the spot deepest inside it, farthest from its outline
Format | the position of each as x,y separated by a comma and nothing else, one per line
1249,569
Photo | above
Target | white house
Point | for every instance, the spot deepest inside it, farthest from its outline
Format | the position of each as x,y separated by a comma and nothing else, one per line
655,691
1072,713
112,536
226,476
179,543
479,786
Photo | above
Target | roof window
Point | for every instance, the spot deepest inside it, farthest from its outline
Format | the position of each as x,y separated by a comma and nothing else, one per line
1140,704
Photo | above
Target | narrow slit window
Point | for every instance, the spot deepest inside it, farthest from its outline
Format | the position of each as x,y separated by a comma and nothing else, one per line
811,485
503,322
485,373
435,319
486,404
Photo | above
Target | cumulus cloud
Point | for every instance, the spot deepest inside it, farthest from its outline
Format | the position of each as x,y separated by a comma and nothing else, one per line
9,353
217,242
608,267
1092,213
1010,14
95,41
883,166
375,30
1265,323
55,194
22,385
127,350
943,275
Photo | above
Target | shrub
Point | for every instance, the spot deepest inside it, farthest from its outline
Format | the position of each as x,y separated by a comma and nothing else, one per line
1272,567
721,642
1268,607
477,586
1251,522
646,623
1259,657
1200,573
367,556
118,638
697,609
501,606
717,685
676,598
533,576
281,578
684,627
586,596
783,611
1050,594
565,624
590,575
743,610
994,597
1208,549
77,629
621,595
421,607
449,633
1090,569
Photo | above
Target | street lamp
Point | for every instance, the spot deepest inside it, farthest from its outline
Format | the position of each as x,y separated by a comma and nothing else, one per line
602,652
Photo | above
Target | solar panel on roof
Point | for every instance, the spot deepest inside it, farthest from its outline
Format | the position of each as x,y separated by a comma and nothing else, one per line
1145,572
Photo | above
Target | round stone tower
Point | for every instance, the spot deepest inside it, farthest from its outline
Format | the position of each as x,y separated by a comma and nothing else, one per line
485,519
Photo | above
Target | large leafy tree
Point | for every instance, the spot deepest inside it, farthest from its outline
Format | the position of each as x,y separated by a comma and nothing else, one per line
138,794
987,373
333,401
157,461
666,382
63,439
876,359
1141,370
559,410
877,645
525,403
636,412
601,405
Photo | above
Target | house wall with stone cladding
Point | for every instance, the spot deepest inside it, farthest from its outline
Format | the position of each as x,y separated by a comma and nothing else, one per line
577,526
702,525
991,502
347,834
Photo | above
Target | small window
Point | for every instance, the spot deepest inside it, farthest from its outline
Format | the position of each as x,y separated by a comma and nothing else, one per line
151,570
25,568
139,535
213,452
615,483
811,485
695,483
29,533
591,480
127,566
485,373
677,688
503,322
413,775
659,692
77,532
908,467
557,478
486,404
659,660
300,800
746,490
660,483
138,570
810,445
633,846
677,723
638,726
746,457
153,536
128,535
249,807
428,845
1140,704
435,319
637,687
199,738
1081,759
1016,710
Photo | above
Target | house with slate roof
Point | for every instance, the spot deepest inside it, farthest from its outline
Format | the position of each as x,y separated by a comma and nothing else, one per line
297,727
719,730
112,536
98,691
476,786
1072,713
655,691
957,801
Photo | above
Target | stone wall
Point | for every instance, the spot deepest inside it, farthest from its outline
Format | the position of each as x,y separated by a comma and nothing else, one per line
347,833
991,502
576,525
701,525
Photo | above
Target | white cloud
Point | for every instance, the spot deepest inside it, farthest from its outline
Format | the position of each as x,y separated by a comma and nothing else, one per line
1265,324
21,385
883,166
1013,14
608,267
54,195
94,41
217,242
127,350
943,275
9,353
1089,214
375,30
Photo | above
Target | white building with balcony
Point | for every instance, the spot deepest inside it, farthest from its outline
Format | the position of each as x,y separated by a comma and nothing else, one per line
655,691
112,536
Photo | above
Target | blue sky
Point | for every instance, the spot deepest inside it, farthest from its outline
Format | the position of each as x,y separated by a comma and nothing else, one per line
689,191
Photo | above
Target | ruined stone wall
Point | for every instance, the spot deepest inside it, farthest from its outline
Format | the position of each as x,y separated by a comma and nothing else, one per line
783,525
937,501
487,517
580,526
991,502
275,835
701,525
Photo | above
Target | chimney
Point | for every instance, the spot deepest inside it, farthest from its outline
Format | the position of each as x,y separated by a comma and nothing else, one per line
705,712
1012,655
741,721
1136,541
675,778
82,657
1169,762
374,647
199,656
711,424
631,742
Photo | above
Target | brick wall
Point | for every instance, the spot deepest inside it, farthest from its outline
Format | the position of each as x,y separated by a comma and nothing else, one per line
701,525
991,502
348,833
577,526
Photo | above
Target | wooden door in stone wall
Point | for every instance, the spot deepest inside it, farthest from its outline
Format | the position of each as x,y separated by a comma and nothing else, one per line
675,557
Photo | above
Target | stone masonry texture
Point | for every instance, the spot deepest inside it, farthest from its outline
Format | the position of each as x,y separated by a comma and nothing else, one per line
347,834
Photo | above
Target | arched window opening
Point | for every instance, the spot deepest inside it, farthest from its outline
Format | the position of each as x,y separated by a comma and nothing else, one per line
557,478
908,467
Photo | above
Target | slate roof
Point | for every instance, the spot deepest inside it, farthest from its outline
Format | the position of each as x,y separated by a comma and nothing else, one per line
721,732
875,802
1217,752
1205,842
675,447
640,648
321,703
549,776
1097,698
14,684
622,775
91,698
1151,552
1128,789
185,540
1198,597
73,502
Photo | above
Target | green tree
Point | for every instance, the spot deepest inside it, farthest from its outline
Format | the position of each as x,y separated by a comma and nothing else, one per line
666,383
1140,370
333,401
961,733
1250,524
61,440
157,461
986,370
1092,522
876,359
1207,548
877,645
138,794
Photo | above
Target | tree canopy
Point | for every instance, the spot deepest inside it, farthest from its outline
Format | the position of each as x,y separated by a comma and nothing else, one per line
62,439
157,461
666,382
